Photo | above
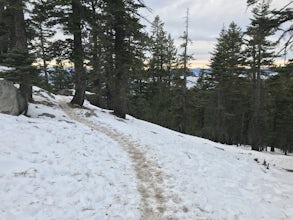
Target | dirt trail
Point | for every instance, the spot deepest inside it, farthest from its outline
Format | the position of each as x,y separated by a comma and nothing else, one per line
150,177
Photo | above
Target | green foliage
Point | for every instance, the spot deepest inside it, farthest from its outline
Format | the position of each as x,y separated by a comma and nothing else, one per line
260,54
22,70
225,89
280,108
152,95
41,27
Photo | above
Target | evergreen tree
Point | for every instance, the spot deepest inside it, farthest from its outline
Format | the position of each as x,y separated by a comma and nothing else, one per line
180,81
160,71
280,113
260,54
17,55
95,49
126,35
70,14
226,66
202,96
60,78
163,52
281,19
42,26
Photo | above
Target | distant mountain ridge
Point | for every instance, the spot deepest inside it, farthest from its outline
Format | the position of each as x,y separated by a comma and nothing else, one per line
196,71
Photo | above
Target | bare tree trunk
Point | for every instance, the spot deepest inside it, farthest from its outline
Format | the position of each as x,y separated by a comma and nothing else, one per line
218,115
182,126
96,70
255,120
19,40
80,81
96,54
3,31
120,84
45,68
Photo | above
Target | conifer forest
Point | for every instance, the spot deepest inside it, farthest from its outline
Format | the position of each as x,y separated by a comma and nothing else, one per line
102,50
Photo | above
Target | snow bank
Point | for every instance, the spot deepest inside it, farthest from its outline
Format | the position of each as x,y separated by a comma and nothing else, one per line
225,182
55,168
52,167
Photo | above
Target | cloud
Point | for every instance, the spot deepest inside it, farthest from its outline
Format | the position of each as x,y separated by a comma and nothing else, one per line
206,19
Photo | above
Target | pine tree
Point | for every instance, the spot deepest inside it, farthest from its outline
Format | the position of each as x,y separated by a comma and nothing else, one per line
95,49
279,19
126,35
61,78
70,14
162,52
260,54
42,26
280,113
183,72
17,55
160,70
226,66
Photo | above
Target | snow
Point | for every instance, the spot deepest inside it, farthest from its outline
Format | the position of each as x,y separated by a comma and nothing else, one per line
191,81
5,68
85,163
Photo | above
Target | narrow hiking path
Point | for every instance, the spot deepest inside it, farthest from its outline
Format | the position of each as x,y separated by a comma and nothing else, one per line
149,175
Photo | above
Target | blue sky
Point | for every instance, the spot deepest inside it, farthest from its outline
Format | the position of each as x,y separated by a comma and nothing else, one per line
207,18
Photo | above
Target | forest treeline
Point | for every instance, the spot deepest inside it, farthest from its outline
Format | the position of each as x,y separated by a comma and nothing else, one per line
101,46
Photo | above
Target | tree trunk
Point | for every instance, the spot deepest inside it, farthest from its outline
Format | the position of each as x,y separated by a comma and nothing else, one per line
19,25
255,129
182,126
3,31
20,43
96,53
96,70
218,115
80,81
44,57
120,81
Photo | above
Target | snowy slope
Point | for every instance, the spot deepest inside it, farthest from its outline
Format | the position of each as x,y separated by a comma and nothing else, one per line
64,163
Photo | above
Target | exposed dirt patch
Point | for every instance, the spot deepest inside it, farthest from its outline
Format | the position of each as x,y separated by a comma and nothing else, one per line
149,176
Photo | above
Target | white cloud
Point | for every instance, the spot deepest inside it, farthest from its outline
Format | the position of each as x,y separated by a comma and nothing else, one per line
206,19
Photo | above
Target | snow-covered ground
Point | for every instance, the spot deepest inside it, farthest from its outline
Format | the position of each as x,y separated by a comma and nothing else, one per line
64,163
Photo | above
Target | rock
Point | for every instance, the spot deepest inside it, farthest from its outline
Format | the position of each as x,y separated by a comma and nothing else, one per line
11,100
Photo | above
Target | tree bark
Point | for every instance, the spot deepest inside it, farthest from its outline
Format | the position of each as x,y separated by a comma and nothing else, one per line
182,125
3,31
96,53
45,68
255,128
19,40
80,78
120,84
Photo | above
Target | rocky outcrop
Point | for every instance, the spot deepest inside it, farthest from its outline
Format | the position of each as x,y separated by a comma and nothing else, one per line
11,100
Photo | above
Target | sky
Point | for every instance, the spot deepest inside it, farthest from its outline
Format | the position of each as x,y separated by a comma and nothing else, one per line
206,19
